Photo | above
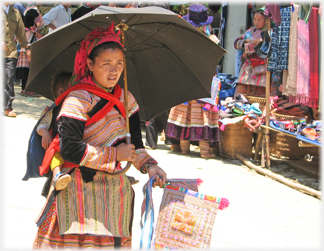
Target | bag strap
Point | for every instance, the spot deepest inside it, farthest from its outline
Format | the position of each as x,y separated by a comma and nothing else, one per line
147,222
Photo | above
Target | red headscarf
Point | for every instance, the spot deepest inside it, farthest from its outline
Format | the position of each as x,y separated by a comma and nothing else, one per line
93,39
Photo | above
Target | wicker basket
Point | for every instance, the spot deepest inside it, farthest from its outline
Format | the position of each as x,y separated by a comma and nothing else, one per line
282,145
288,117
260,100
235,139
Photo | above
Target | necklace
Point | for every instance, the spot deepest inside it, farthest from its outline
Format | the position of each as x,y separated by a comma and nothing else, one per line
107,89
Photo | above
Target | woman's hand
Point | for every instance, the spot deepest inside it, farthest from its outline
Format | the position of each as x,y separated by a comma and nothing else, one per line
156,170
126,152
28,53
247,41
256,41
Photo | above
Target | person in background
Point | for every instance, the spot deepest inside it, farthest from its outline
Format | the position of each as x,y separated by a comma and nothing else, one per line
13,26
248,82
123,4
84,9
33,22
19,6
58,16
192,121
151,132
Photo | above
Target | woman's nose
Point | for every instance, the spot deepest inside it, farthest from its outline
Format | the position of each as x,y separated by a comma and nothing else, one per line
113,69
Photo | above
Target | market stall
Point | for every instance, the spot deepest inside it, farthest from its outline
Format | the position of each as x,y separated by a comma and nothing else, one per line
291,118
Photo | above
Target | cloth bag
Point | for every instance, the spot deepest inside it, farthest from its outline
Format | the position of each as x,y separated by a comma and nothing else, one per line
185,219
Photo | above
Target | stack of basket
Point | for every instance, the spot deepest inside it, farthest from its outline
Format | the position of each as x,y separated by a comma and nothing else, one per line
261,101
235,139
282,145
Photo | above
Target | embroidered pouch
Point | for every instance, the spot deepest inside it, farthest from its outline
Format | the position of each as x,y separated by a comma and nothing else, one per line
185,219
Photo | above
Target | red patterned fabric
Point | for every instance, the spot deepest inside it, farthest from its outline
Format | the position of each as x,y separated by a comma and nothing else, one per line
313,58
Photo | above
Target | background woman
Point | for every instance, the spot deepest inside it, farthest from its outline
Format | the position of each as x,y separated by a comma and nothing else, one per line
250,83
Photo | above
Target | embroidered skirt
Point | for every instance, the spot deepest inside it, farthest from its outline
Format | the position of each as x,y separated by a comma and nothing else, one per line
96,214
48,237
191,122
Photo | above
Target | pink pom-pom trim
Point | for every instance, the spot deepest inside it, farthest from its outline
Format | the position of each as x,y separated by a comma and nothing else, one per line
215,108
206,107
199,182
223,203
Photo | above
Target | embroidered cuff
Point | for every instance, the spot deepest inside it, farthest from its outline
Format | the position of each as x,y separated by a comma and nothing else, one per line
100,158
144,168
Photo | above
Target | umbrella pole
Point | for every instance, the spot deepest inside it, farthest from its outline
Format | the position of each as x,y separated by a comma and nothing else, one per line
267,134
123,27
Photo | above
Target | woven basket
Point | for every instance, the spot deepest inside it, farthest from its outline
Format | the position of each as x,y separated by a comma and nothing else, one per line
235,139
288,117
282,145
254,99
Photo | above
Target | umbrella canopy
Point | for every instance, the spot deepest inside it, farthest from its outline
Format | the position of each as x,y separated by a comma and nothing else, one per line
168,61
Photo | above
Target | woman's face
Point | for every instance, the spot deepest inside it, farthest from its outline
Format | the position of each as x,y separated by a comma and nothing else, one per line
258,20
107,67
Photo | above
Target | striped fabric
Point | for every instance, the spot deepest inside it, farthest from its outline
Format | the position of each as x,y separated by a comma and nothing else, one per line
22,61
101,135
199,117
101,207
189,121
48,237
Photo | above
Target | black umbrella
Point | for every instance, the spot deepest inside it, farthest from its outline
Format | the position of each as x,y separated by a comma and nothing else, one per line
168,60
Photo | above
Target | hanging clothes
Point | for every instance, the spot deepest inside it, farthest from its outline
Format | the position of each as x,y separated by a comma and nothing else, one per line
278,59
283,35
313,58
290,88
304,11
303,63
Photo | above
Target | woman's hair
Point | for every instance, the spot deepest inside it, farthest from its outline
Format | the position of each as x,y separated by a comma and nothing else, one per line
260,12
102,47
60,80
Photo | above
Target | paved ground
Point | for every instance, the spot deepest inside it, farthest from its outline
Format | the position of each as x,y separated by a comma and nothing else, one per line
263,213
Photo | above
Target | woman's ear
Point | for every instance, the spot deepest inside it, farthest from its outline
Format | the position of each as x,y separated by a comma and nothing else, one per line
60,91
89,64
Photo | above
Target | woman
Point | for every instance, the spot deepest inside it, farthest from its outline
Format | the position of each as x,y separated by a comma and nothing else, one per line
249,81
95,210
33,22
191,122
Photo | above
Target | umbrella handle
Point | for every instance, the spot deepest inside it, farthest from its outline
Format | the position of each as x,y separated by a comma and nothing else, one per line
125,169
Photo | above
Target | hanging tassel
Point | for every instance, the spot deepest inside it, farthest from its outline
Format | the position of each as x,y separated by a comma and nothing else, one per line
206,107
215,108
223,203
199,181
